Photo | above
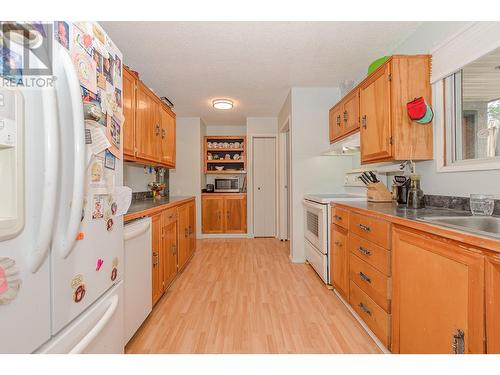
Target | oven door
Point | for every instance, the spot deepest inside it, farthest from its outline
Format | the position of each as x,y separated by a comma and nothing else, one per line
316,225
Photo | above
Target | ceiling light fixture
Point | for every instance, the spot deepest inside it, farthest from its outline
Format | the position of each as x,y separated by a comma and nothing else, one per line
222,103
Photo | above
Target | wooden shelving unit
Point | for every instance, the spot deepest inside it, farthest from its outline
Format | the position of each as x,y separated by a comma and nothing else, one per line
237,166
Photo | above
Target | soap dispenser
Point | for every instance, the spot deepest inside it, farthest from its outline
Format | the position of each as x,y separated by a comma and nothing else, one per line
415,194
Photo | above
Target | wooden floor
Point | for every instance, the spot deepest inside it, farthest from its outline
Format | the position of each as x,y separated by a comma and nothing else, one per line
244,296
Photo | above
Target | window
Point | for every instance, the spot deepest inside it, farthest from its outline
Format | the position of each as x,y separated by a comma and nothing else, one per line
472,112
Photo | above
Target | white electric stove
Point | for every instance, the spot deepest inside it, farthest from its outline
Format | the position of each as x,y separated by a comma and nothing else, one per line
317,220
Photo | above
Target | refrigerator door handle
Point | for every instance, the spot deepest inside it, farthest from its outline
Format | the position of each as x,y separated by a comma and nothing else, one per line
67,240
89,337
51,154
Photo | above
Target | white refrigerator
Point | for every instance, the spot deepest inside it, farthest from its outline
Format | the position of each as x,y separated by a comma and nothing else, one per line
62,200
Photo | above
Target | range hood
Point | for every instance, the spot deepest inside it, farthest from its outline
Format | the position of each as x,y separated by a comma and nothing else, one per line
345,147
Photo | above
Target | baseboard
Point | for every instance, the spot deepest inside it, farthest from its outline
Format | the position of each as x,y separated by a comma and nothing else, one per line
363,324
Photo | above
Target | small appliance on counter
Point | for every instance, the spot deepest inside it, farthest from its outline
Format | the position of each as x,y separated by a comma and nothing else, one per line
227,185
210,188
415,198
400,187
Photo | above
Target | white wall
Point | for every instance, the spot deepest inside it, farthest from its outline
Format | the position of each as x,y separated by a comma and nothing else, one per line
185,179
424,40
257,126
226,129
311,172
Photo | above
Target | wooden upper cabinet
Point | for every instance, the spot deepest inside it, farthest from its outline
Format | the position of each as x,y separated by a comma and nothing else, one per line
148,129
350,114
167,123
336,122
377,106
235,218
339,260
493,305
438,295
129,110
376,116
212,209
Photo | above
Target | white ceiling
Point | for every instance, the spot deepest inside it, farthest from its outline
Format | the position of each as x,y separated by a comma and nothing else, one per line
253,63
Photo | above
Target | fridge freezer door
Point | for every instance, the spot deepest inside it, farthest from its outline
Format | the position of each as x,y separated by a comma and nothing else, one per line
87,252
99,330
25,320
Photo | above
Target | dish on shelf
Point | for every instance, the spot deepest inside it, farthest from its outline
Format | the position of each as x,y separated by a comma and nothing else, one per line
219,168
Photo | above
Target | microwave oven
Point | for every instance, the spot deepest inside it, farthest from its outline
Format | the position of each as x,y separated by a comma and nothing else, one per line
227,185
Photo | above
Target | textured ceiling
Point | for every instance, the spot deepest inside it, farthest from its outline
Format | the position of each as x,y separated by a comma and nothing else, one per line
253,63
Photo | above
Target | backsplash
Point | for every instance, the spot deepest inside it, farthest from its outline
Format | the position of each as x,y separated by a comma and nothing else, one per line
455,203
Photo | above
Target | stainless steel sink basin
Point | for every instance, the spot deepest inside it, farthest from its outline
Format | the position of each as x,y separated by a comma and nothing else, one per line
482,225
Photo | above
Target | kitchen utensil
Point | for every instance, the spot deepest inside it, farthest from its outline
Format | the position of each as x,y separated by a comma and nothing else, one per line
363,179
481,204
368,177
373,176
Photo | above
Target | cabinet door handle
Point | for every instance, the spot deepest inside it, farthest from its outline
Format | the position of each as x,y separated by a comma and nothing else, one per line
338,243
227,215
346,116
338,217
174,249
458,343
363,121
366,228
185,232
338,120
155,258
363,277
364,251
157,130
365,309
163,133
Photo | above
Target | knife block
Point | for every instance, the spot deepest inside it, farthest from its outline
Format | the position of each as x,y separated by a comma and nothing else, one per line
377,192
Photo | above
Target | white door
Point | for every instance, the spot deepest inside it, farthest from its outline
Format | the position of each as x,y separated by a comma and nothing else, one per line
264,186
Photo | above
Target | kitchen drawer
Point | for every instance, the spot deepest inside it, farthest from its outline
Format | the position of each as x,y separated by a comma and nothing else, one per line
169,216
374,316
372,282
340,217
375,230
374,255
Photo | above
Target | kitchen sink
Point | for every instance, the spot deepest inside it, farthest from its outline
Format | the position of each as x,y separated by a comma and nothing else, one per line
482,225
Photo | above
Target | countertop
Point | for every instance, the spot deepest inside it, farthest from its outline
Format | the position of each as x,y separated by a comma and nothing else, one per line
401,215
145,207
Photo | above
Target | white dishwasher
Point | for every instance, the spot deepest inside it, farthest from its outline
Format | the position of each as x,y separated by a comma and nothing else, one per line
137,278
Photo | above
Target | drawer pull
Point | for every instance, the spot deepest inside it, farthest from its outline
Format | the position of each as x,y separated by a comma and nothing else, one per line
364,308
338,217
364,251
338,243
366,228
363,277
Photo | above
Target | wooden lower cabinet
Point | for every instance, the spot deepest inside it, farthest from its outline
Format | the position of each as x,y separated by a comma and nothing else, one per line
192,228
224,213
339,260
438,296
493,305
157,273
183,235
169,252
173,230
235,214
